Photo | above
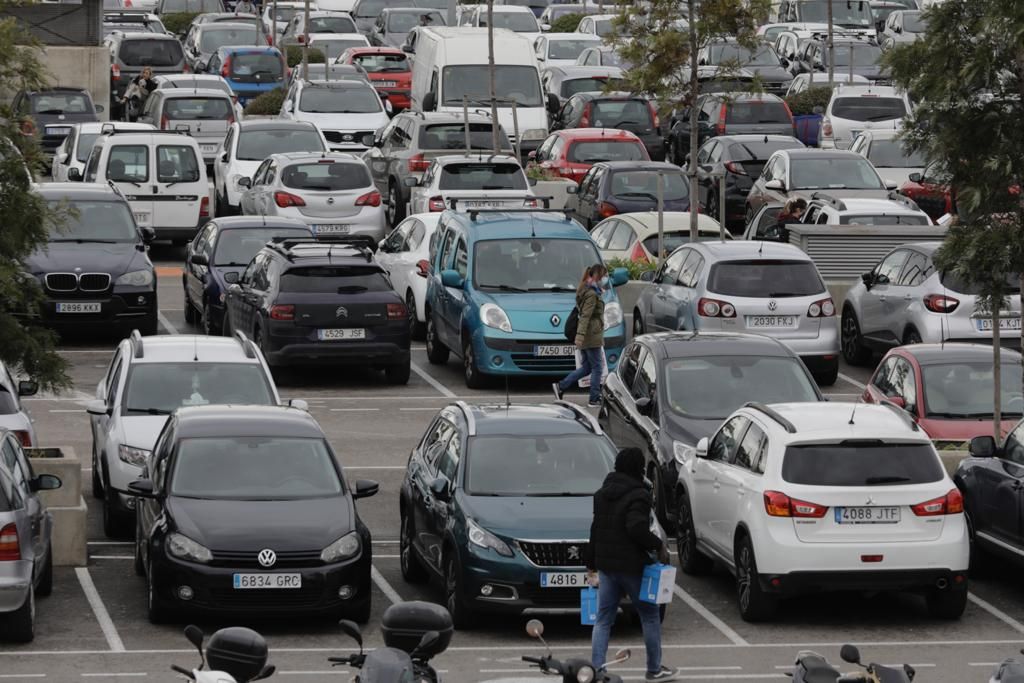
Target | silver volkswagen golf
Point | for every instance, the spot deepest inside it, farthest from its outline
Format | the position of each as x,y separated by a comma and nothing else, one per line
757,287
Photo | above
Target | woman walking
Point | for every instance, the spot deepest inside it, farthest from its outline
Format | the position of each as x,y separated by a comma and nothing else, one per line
589,333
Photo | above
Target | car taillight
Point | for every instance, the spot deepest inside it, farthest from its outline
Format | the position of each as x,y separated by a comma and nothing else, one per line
654,115
789,113
422,267
826,127
638,255
417,164
269,40
940,303
720,127
115,72
606,210
821,309
530,203
9,547
713,308
397,312
185,68
369,199
733,167
778,504
24,438
282,312
286,199
585,119
436,204
225,70
950,504
165,123
301,38
204,207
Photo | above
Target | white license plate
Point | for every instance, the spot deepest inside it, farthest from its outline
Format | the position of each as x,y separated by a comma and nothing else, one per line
78,307
57,130
343,333
563,579
554,350
387,84
256,581
338,229
208,148
141,217
480,205
771,321
985,324
889,514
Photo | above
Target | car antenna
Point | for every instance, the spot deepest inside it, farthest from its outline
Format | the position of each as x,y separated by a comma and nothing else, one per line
853,413
195,347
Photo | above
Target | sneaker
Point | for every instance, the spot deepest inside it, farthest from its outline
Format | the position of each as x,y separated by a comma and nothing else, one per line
594,404
664,674
558,391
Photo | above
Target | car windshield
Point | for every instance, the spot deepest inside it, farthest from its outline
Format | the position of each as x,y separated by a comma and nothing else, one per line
644,185
760,278
332,25
861,463
593,151
477,176
885,219
731,53
453,136
520,22
855,14
863,54
913,22
603,27
567,48
211,39
60,103
727,382
750,112
964,389
238,246
564,465
150,52
264,66
254,468
383,63
834,172
159,388
518,83
592,84
403,22
534,264
199,109
363,100
335,280
257,145
92,221
326,175
869,108
892,154
617,113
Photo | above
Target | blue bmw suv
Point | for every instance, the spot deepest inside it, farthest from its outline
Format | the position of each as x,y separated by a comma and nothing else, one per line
500,288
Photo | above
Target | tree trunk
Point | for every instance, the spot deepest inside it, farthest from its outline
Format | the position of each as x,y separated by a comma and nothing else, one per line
997,389
493,86
694,91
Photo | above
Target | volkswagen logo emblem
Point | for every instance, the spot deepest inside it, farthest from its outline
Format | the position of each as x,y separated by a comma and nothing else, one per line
341,312
555,320
330,200
267,558
573,552
772,305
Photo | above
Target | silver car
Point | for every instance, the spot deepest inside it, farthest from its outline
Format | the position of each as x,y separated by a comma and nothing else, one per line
26,558
906,300
13,415
758,287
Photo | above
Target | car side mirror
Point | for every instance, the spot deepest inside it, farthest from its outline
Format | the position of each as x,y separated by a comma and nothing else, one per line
199,260
897,401
868,279
429,102
784,61
777,185
451,278
644,406
702,448
75,174
889,185
97,407
410,181
913,177
27,387
554,104
99,108
982,447
224,157
231,277
62,157
148,234
143,488
619,276
545,27
45,482
365,488
572,189
244,182
647,276
532,156
407,49
439,487
350,629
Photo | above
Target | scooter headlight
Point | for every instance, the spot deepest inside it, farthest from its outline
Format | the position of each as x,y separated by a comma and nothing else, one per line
585,674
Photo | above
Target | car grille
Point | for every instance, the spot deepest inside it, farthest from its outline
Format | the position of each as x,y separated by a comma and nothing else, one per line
246,559
70,282
554,554
287,598
532,363
94,282
61,282
346,138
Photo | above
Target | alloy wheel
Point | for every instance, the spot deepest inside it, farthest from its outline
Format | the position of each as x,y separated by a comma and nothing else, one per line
744,572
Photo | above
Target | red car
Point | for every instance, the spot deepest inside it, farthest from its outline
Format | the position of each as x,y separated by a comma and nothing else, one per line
947,388
933,194
570,153
388,69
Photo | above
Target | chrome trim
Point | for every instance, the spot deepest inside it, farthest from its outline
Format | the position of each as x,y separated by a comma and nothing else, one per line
582,415
54,289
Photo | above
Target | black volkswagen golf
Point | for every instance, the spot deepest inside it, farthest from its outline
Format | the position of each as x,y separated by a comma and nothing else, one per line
245,510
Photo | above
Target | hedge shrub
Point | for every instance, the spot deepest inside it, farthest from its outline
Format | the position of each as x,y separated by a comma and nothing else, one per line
805,102
266,104
294,55
635,268
566,23
178,22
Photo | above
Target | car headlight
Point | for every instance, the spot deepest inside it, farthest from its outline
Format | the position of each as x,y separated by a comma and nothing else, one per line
185,548
485,539
612,315
132,455
345,547
493,316
585,674
534,134
136,278
682,452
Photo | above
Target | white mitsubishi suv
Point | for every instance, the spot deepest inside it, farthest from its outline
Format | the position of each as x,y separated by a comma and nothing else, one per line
803,497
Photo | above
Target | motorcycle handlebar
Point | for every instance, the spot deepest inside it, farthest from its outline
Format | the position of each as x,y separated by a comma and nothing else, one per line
539,661
181,670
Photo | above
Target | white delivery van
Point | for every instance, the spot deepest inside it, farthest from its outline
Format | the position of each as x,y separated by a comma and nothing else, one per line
451,62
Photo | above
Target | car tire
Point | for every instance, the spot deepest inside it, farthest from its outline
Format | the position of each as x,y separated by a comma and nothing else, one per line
398,373
828,376
191,314
691,560
912,336
21,623
638,323
412,569
462,616
670,152
854,351
437,352
156,609
471,373
45,585
417,330
948,603
396,205
97,482
209,329
658,495
113,519
754,603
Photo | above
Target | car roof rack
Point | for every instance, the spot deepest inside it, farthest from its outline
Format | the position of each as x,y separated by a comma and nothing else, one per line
136,341
894,195
120,131
902,414
582,416
762,408
467,413
834,202
356,243
246,343
567,213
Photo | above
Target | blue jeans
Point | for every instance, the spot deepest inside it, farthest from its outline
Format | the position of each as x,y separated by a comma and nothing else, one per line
591,365
609,595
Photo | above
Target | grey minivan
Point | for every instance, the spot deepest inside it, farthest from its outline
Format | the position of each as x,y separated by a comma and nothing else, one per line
206,113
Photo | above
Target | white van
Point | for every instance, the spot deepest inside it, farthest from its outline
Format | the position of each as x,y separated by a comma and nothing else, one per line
452,62
160,173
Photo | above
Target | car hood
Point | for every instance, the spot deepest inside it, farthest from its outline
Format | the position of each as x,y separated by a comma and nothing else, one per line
532,312
141,431
532,517
64,257
689,430
770,73
281,525
945,429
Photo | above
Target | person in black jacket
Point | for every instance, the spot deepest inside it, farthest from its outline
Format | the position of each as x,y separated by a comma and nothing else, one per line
621,544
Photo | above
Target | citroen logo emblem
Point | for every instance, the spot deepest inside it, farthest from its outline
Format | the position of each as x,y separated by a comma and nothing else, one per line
555,320
341,312
772,305
267,558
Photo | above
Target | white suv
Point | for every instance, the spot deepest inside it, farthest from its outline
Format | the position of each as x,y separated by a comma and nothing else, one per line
824,209
804,497
855,108
148,378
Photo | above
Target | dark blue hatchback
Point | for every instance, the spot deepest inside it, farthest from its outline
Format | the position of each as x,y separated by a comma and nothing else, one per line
250,71
614,187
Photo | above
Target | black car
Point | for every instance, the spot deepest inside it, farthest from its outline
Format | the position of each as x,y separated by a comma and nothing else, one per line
306,302
565,81
614,110
740,158
94,270
245,510
54,110
673,388
865,58
614,187
761,60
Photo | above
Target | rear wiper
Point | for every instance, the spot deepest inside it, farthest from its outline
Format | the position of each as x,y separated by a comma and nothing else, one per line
148,411
782,294
51,111
317,187
351,289
870,481
504,288
648,195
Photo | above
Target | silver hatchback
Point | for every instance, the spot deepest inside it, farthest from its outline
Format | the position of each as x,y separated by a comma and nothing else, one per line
756,287
906,300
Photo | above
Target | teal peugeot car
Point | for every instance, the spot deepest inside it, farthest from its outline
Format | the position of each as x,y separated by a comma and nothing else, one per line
500,287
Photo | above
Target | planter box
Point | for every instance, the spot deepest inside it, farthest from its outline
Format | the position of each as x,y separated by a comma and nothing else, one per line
66,504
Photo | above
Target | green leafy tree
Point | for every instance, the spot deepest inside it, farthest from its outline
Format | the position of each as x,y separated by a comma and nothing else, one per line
566,23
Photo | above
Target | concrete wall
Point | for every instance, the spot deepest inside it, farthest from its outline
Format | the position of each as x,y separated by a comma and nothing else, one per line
82,67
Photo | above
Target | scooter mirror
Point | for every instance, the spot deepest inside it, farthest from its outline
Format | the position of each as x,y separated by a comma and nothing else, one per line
535,628
352,631
850,654
195,636
428,641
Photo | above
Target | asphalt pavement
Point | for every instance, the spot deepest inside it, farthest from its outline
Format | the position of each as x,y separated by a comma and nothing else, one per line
94,624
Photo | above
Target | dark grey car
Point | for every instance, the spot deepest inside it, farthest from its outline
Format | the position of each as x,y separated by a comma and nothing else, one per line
54,111
394,24
365,12
852,56
565,81
205,39
762,61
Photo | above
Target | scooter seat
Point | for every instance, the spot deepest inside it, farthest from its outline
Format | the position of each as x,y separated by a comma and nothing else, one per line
817,670
1010,671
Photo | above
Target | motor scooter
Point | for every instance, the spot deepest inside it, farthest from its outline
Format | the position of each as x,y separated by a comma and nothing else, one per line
575,670
233,655
1011,670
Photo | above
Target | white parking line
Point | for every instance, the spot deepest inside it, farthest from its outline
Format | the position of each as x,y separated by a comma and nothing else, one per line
110,543
709,677
98,609
850,380
445,391
384,586
313,673
700,609
350,410
112,557
996,612
374,467
117,675
171,329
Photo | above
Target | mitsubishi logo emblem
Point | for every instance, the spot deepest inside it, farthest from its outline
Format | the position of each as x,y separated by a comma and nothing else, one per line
869,501
772,305
573,552
555,320
267,558
341,312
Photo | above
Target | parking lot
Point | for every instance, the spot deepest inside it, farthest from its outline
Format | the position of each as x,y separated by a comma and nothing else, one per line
95,626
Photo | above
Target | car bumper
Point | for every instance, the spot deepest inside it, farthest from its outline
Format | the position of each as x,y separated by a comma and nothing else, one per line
798,583
508,355
287,344
122,307
369,221
936,327
15,582
514,584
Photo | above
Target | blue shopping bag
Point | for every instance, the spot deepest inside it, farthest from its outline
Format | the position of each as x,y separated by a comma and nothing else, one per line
588,606
657,584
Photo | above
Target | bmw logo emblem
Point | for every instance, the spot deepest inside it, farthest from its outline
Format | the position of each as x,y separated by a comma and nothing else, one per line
555,320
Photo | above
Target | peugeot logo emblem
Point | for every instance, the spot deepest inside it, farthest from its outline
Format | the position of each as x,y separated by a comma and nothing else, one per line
341,312
573,552
267,558
772,305
330,200
555,320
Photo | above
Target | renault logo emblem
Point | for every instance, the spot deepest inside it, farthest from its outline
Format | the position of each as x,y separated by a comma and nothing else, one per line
555,320
772,305
267,558
341,312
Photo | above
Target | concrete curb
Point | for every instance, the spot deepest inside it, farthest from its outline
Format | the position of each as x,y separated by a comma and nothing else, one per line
66,504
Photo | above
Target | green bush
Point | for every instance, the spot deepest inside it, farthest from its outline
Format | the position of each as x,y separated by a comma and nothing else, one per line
294,54
178,22
266,104
566,23
635,268
805,102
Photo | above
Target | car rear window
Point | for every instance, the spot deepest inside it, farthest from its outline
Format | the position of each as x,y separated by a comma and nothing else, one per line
482,177
869,108
567,48
257,145
60,103
334,280
332,25
885,219
643,184
595,84
383,63
761,278
257,66
199,109
615,113
330,176
861,463
403,22
744,113
197,6
212,39
677,238
150,52
332,47
955,283
593,151
453,136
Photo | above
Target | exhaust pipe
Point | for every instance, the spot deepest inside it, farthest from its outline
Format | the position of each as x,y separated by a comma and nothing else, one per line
941,584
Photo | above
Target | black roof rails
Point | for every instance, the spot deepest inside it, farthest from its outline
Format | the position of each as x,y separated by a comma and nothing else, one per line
136,341
246,343
762,408
834,202
473,213
358,243
157,131
902,414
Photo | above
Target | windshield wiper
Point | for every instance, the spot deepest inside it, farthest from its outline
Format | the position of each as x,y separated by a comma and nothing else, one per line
648,195
555,288
225,265
871,481
504,288
83,240
559,494
148,411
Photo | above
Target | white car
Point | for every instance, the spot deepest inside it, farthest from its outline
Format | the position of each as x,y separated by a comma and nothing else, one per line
826,209
634,236
597,24
804,497
200,81
856,108
404,253
333,44
147,379
348,112
562,49
245,147
888,155
276,25
74,151
519,20
13,415
476,181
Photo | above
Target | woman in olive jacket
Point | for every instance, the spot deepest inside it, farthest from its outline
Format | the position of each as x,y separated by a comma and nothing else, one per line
589,332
